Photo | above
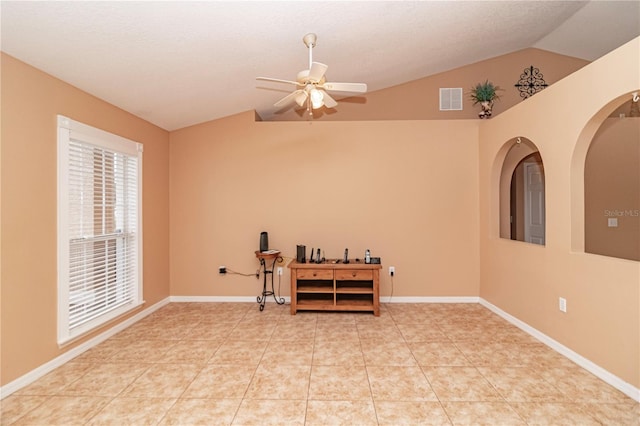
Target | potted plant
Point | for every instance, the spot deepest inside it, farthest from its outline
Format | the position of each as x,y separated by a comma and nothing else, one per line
485,94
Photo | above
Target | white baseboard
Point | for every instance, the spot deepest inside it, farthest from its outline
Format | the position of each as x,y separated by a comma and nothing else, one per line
448,299
624,387
42,370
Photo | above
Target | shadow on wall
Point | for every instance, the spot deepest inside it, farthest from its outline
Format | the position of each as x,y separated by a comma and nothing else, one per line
612,186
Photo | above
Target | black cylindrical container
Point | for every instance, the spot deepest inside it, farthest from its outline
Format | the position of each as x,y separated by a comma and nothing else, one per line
301,254
264,241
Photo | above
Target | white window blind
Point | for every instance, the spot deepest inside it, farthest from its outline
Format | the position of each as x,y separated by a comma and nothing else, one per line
99,227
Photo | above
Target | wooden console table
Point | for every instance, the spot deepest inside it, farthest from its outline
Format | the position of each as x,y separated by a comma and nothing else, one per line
335,286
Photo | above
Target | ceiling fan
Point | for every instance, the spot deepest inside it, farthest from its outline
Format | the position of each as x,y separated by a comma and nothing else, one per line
312,85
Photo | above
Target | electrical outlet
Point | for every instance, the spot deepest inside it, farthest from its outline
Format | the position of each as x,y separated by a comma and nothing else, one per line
279,270
562,304
222,269
392,270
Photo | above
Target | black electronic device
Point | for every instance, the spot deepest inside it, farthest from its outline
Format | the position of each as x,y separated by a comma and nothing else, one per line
346,256
311,256
264,241
375,260
301,254
318,259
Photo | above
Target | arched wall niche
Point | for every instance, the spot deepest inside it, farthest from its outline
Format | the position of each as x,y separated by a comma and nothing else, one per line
512,154
578,161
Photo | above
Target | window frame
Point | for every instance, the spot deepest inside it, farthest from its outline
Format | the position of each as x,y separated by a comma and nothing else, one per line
69,130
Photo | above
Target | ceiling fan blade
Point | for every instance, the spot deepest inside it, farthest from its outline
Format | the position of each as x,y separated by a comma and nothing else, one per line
288,99
301,97
346,87
329,102
317,72
277,80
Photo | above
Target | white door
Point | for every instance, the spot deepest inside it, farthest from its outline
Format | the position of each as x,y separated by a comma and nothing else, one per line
534,203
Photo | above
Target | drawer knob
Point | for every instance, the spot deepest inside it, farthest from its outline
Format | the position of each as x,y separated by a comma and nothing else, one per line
315,274
353,274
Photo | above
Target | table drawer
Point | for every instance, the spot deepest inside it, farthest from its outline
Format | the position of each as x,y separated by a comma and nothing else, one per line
314,274
354,275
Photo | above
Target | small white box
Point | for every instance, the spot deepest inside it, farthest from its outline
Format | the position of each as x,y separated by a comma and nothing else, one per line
612,222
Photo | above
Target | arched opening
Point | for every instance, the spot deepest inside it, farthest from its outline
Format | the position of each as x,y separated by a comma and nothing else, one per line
612,184
526,207
522,193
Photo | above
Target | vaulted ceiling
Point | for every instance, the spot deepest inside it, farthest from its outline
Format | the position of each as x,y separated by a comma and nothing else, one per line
179,63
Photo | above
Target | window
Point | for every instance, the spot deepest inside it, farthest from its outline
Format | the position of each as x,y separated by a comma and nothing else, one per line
99,227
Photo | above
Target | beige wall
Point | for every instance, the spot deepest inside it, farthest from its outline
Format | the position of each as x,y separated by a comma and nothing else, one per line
406,190
419,99
612,189
602,322
30,102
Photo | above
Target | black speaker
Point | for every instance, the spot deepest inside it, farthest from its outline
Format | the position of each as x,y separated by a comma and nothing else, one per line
301,254
264,241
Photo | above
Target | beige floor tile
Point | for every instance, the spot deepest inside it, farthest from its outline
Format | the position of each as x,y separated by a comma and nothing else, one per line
259,412
64,410
280,382
191,351
460,384
247,353
205,412
581,386
393,383
554,414
496,354
55,381
340,318
385,318
517,384
422,333
163,381
206,332
220,382
107,379
348,353
143,351
413,316
385,333
235,364
380,352
294,331
396,413
438,354
103,351
626,413
335,413
253,331
302,317
339,383
286,352
337,332
15,406
482,413
173,331
132,411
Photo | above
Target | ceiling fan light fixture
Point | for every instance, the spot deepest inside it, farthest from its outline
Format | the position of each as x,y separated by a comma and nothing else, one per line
317,98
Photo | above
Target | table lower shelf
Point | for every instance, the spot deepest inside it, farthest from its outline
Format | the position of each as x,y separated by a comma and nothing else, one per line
348,302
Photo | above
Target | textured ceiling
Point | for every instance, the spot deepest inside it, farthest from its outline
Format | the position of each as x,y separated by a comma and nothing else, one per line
181,63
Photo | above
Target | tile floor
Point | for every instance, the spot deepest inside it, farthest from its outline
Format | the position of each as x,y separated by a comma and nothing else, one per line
230,364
